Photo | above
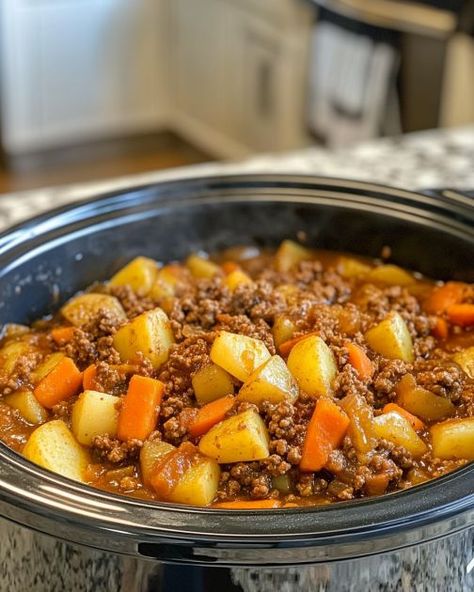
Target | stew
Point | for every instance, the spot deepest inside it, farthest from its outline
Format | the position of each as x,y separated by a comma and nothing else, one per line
249,380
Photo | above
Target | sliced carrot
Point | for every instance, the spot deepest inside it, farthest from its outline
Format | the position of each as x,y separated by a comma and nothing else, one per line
210,414
266,504
229,267
377,484
444,296
441,329
416,423
287,346
140,408
62,335
88,378
359,360
64,380
326,430
461,314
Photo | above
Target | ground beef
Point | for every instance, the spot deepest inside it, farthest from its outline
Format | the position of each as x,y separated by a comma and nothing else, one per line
133,304
115,451
442,377
243,325
21,375
388,375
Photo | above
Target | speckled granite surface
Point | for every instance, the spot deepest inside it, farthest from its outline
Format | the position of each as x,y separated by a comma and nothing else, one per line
36,563
433,159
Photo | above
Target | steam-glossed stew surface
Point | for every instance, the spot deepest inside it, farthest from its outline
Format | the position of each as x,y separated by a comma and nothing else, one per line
249,380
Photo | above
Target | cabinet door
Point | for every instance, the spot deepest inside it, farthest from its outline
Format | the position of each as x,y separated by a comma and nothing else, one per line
85,68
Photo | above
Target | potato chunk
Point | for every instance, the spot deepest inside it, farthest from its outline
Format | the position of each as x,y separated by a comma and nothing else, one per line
312,364
198,486
243,437
28,406
48,364
201,267
237,278
360,429
150,333
391,339
94,414
393,427
283,330
211,383
140,274
350,267
83,309
391,275
454,438
272,381
290,254
53,447
421,402
11,353
151,452
465,359
237,354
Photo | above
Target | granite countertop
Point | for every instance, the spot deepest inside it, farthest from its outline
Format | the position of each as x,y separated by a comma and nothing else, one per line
431,159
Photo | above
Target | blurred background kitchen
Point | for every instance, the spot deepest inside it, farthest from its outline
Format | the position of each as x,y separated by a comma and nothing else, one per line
98,88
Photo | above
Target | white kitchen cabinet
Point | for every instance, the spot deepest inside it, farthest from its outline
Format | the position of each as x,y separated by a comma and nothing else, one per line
239,73
80,69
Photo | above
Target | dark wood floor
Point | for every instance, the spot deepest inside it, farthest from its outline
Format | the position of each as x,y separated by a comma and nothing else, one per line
99,160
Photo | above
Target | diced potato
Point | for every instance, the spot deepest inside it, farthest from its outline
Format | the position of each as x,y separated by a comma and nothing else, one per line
393,427
350,267
360,429
198,485
289,292
453,438
237,278
81,310
94,414
202,268
272,381
421,402
391,339
28,406
210,383
150,333
11,353
140,274
48,364
242,437
151,452
53,447
391,275
283,330
465,359
237,354
14,330
282,483
167,279
290,254
312,364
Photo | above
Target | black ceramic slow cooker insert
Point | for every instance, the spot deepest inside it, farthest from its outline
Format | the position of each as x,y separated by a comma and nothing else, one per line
423,535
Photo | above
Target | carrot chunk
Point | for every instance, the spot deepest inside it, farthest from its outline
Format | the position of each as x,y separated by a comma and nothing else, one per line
60,384
230,266
62,335
444,296
265,504
88,378
326,430
287,346
461,314
140,408
377,484
210,414
359,360
441,329
416,423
